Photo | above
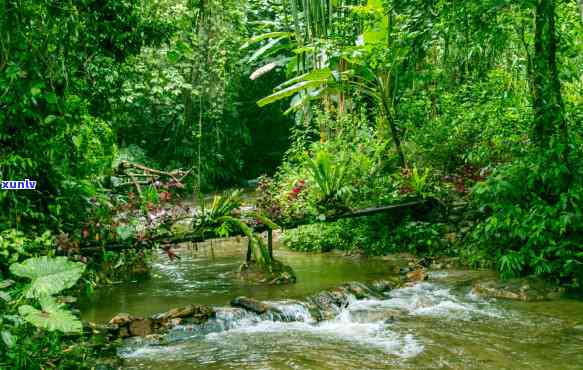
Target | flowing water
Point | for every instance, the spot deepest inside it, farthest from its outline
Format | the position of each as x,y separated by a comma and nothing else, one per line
438,324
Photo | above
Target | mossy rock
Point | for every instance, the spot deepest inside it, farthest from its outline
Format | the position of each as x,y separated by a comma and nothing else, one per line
529,289
275,274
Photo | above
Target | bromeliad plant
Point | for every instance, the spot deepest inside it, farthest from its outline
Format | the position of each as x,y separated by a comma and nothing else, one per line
329,178
210,215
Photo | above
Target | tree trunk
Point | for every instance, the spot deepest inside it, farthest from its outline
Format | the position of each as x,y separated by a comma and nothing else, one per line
249,246
270,242
397,142
547,99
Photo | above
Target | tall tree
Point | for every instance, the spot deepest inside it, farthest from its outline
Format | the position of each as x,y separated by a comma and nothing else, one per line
547,99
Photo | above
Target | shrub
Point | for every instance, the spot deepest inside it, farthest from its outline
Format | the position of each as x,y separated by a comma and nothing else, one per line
532,218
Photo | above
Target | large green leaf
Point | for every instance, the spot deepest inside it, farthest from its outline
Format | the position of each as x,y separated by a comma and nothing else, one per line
52,316
49,275
265,36
289,91
8,338
267,49
376,35
5,296
6,283
318,74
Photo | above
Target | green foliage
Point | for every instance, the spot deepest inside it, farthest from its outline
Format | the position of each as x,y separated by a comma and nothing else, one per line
480,124
419,181
532,218
52,316
36,349
221,206
421,238
371,236
317,238
350,168
16,246
258,248
56,70
329,178
48,275
31,346
180,102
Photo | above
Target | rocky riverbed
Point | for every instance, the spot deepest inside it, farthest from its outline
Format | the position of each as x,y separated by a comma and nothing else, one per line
396,314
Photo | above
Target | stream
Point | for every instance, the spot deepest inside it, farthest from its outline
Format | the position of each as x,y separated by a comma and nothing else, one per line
437,324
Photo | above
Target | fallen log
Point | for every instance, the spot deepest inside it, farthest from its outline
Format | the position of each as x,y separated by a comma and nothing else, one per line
197,237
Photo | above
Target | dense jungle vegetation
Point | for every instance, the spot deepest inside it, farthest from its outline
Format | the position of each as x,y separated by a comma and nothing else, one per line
337,105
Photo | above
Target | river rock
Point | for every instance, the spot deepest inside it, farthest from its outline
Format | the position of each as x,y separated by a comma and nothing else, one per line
524,289
416,276
250,304
448,263
284,277
383,286
124,332
368,316
180,312
328,303
121,319
277,274
359,290
192,313
141,327
96,329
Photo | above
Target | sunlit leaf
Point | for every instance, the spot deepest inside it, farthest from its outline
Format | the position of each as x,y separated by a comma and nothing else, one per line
8,338
6,283
265,36
289,91
49,275
52,316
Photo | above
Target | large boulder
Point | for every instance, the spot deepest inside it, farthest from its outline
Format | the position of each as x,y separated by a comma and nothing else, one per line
523,289
327,304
